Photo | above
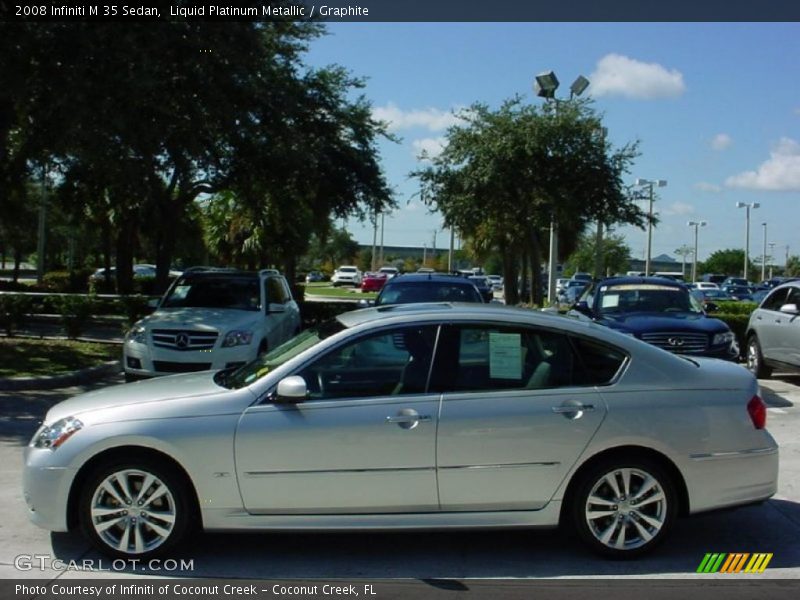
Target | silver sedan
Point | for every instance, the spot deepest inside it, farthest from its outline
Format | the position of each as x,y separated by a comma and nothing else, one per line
411,417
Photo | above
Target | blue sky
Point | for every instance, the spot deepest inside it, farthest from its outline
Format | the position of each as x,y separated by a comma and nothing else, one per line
716,108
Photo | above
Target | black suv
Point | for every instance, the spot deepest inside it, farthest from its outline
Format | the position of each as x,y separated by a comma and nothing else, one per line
428,287
659,311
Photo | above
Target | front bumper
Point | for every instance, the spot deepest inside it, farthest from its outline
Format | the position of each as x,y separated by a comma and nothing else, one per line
45,486
143,361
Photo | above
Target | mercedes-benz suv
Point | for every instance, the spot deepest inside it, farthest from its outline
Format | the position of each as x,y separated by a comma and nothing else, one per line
212,319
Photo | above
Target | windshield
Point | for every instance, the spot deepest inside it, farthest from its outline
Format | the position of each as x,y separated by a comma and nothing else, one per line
646,298
255,370
237,293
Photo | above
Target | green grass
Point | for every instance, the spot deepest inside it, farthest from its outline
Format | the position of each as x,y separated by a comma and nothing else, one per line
326,289
34,358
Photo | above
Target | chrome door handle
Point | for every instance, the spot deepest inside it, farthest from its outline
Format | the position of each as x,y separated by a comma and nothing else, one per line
573,408
408,418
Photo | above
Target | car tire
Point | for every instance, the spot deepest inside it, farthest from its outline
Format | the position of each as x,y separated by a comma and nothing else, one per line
755,359
624,507
134,508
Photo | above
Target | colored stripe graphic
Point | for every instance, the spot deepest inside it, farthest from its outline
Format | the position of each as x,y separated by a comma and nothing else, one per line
734,562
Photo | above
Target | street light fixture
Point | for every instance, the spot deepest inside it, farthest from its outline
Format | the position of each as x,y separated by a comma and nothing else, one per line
545,87
747,206
650,183
697,225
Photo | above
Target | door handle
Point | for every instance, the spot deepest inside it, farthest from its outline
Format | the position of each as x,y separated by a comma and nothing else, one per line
407,418
573,408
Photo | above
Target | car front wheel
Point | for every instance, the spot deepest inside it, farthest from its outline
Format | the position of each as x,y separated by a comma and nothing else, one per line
134,509
755,359
624,508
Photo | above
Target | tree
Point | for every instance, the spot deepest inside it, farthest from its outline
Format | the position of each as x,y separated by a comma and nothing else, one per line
149,136
505,173
727,262
615,253
792,268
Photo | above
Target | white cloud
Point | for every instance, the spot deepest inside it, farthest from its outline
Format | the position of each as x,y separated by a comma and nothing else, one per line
679,209
721,141
428,147
432,119
618,75
704,186
781,172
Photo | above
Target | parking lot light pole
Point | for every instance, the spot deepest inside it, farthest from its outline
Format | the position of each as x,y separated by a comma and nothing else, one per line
764,254
771,257
697,225
747,206
650,183
545,87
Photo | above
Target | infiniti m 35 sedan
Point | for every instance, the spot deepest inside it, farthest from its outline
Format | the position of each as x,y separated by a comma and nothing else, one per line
408,417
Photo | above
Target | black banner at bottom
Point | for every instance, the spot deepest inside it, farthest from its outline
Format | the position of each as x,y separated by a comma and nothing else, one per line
66,588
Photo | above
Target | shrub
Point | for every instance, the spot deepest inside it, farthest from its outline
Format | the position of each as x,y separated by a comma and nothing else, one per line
313,313
737,323
733,307
14,309
66,281
133,308
76,312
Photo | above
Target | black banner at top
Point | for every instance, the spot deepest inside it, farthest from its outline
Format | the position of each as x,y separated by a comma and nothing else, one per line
405,10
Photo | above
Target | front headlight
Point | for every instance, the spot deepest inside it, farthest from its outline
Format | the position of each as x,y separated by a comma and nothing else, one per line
723,338
237,338
52,436
137,334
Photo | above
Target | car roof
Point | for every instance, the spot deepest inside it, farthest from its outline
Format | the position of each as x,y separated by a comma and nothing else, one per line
642,280
435,277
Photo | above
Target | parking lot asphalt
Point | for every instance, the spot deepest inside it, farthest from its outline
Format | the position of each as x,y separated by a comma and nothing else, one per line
770,527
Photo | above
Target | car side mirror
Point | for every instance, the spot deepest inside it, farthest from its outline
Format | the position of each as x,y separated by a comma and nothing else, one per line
365,303
274,308
292,389
789,309
583,308
711,307
152,303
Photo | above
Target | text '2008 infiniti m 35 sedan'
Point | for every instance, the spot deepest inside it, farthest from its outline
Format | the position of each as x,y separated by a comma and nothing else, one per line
406,417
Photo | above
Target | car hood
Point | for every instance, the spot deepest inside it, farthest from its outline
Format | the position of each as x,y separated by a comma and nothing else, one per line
638,323
200,318
143,393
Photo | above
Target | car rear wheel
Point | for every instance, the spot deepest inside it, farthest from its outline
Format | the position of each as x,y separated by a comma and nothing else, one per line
134,509
624,508
755,359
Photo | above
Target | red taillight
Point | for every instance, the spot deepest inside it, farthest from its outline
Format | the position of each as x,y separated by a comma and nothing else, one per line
758,412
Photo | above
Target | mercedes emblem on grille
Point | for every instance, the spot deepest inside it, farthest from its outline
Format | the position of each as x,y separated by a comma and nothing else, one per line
675,341
182,340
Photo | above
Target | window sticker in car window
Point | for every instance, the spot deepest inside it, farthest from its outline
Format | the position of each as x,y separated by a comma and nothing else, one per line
610,301
505,356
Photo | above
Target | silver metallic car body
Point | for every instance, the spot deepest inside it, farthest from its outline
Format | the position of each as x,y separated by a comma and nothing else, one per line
494,459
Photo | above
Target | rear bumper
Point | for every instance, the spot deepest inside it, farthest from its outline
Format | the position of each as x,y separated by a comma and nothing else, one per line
729,479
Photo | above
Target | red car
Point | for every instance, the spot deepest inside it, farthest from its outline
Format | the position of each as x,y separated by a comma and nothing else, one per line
373,282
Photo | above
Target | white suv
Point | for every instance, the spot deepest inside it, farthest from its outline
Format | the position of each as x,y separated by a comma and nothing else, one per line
346,275
212,319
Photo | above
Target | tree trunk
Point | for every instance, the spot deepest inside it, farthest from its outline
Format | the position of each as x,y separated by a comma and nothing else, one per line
536,269
126,238
17,263
510,290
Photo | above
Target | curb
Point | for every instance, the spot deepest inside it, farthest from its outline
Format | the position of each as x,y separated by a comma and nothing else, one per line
80,377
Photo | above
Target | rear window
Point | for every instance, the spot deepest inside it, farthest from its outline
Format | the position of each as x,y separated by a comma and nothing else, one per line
428,291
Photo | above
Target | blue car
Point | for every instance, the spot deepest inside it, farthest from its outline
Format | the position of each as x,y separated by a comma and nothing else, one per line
660,312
